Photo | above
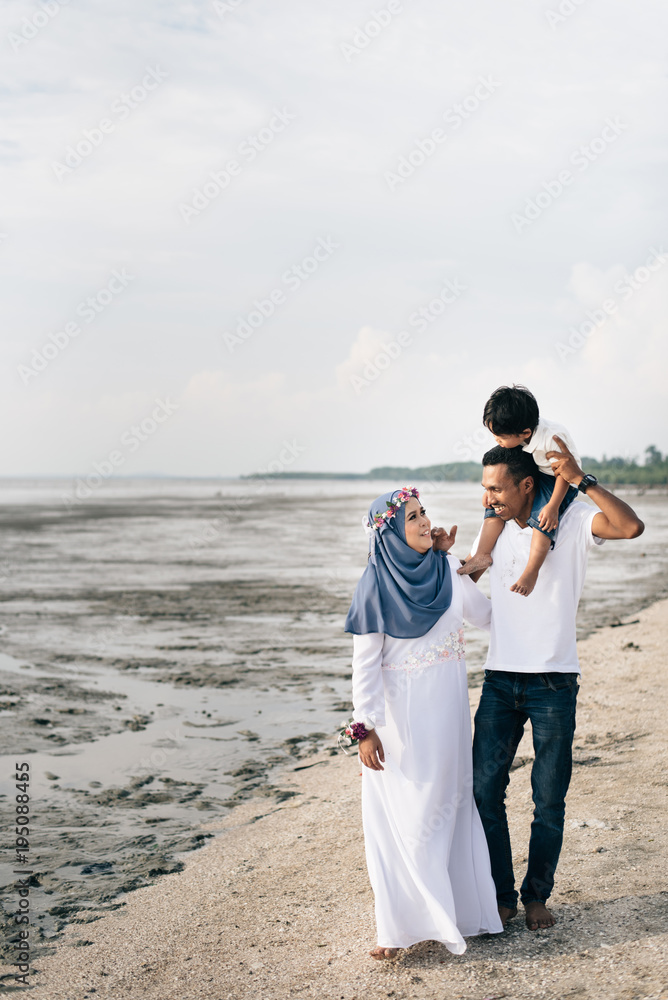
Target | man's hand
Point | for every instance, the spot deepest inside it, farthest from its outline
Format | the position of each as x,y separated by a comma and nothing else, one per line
564,464
549,517
616,519
442,539
371,751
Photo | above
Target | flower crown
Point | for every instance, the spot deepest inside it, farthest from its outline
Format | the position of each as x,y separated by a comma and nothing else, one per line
392,507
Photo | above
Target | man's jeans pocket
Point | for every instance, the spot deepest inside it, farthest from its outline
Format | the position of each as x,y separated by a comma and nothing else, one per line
557,681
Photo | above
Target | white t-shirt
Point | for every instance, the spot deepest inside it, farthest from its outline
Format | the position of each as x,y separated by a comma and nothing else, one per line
536,634
542,441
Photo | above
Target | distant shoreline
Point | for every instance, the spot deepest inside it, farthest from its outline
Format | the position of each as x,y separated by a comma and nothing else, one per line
375,477
610,473
614,472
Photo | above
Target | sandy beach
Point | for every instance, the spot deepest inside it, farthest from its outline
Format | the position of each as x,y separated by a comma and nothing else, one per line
155,670
278,904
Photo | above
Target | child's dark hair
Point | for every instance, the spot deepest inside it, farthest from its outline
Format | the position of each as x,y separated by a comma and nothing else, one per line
511,410
519,462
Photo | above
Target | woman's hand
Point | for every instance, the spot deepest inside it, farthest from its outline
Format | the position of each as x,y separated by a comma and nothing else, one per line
371,751
443,540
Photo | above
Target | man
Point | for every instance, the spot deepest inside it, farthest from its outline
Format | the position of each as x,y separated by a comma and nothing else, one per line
532,666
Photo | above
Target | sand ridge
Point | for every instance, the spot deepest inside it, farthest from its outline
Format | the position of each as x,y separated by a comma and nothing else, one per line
279,904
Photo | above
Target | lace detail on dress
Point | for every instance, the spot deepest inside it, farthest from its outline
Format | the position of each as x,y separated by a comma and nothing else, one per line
451,647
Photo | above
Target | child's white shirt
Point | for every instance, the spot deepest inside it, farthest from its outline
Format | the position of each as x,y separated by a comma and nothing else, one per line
542,441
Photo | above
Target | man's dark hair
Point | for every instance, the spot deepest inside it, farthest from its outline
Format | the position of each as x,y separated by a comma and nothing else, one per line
520,463
510,410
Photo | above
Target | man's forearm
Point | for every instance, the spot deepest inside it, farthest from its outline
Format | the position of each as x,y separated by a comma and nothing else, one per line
618,520
621,518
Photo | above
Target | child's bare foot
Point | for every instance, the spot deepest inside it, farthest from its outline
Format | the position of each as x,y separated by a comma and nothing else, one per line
538,916
475,563
384,952
526,583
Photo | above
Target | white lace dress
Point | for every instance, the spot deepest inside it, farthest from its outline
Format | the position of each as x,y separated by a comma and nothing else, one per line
425,846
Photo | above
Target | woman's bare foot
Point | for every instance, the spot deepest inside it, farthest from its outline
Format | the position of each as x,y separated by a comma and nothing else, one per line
381,953
476,562
526,583
506,913
538,916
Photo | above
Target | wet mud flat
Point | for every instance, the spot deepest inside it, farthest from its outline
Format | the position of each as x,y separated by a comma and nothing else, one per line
264,910
120,791
160,667
121,782
146,710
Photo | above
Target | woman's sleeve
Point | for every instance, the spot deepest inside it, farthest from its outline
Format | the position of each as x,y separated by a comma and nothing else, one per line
477,608
368,690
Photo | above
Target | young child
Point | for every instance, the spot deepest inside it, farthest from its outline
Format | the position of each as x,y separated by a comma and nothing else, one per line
511,414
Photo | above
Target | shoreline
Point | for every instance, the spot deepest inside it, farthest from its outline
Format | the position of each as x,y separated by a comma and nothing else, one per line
278,903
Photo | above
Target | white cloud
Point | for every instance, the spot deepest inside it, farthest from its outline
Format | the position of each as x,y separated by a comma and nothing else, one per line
323,175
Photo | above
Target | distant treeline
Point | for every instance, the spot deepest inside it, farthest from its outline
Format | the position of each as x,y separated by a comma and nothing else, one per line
308,475
653,472
453,472
622,471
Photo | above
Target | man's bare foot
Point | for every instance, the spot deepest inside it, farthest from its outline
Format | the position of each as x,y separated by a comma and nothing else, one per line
381,953
475,563
526,583
506,913
538,916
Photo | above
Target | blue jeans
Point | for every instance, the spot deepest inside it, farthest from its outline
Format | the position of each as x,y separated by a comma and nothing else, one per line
507,701
544,490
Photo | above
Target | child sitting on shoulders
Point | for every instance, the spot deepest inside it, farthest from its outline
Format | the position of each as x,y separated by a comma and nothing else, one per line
511,414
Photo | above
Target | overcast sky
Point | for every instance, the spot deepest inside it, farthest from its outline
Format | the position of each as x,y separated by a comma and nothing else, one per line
319,234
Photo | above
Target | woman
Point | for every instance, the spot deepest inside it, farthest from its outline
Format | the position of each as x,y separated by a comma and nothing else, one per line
425,846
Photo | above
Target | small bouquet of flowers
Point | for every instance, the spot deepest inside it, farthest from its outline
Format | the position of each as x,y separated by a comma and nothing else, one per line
350,735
